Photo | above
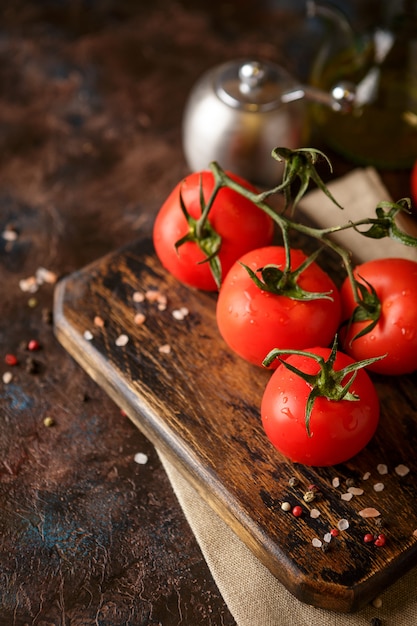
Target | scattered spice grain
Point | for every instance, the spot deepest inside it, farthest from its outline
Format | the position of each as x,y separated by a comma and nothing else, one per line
11,359
122,340
7,377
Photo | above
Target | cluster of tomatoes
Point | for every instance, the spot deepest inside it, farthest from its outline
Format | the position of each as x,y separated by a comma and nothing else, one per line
270,298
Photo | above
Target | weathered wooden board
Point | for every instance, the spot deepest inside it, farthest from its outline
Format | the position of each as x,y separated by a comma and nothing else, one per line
200,405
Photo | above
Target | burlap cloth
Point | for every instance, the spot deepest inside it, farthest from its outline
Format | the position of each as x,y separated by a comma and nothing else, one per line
254,596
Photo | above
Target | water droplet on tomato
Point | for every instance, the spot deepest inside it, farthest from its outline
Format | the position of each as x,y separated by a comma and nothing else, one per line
287,411
408,332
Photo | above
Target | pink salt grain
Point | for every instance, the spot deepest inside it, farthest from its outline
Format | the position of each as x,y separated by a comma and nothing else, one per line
369,512
402,470
138,296
139,319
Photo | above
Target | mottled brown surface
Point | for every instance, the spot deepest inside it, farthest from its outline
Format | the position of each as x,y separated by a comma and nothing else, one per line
91,98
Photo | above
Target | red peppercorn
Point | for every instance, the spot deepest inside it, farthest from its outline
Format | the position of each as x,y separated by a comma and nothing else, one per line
334,532
33,345
11,359
380,540
368,538
297,511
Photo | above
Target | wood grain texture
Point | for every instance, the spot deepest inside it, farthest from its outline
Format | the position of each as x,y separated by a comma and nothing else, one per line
200,405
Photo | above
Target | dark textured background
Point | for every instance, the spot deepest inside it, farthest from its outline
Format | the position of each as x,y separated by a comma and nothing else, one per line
91,100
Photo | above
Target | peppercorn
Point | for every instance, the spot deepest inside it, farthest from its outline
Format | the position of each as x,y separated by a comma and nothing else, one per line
375,621
309,496
11,359
33,345
380,540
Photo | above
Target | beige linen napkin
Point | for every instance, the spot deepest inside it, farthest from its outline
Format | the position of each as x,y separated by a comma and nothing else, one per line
254,596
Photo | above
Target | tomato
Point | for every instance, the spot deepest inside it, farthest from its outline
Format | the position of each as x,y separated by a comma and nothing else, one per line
240,223
395,333
339,429
253,321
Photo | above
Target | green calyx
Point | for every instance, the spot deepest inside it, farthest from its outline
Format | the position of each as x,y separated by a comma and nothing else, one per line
328,382
368,308
385,225
300,169
285,281
201,232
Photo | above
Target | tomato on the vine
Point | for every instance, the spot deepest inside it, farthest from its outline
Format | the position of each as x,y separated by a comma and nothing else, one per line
389,288
253,320
337,429
236,221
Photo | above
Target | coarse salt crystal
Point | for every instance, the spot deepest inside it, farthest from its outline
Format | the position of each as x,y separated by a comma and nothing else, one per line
29,284
336,482
7,377
316,542
180,314
45,276
343,524
139,318
415,533
346,497
366,476
355,491
141,458
9,234
165,349
138,296
122,340
379,487
98,321
153,295
369,512
315,513
88,335
382,469
402,470
327,537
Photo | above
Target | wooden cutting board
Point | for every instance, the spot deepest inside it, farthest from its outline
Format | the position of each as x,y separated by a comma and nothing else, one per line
199,404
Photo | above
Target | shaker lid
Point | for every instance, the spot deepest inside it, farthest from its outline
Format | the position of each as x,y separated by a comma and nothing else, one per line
252,85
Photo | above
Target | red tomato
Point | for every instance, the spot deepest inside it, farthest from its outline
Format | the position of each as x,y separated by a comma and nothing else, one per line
240,223
253,322
395,334
339,429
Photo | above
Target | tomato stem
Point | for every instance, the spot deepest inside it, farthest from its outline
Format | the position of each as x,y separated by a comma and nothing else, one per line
300,167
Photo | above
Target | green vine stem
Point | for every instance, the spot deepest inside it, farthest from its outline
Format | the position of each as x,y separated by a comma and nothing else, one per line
300,166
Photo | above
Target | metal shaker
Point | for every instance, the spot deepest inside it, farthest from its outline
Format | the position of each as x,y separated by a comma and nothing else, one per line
235,115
